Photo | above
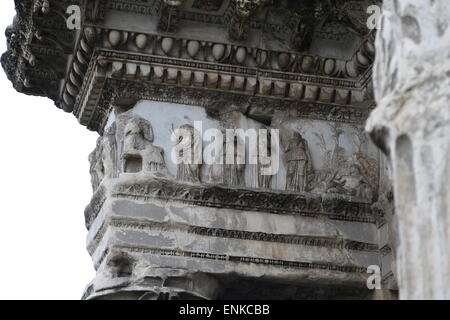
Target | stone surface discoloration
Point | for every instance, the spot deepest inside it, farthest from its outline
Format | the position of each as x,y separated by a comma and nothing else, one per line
412,125
137,71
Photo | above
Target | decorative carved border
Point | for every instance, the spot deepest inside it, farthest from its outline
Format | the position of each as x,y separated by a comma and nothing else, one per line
136,6
289,239
115,89
247,260
327,242
228,68
163,67
94,206
335,207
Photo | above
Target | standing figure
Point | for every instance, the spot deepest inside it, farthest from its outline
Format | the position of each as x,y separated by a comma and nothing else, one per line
299,163
96,168
188,168
263,160
110,151
233,173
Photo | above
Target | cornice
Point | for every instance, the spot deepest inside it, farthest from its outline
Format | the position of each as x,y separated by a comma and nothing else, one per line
158,61
237,69
38,45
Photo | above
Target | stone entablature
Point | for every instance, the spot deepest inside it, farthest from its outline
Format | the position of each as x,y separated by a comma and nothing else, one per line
138,70
221,240
226,225
188,57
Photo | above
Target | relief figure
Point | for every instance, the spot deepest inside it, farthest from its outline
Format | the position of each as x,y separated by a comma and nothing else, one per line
299,164
188,169
139,153
234,173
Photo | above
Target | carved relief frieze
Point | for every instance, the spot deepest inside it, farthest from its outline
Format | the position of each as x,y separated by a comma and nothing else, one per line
339,158
104,159
247,260
96,168
356,174
94,207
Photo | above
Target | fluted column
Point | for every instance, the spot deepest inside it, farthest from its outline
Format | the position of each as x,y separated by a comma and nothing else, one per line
412,125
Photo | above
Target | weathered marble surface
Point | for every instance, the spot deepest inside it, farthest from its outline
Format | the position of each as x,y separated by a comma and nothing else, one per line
342,160
150,220
412,125
138,70
149,236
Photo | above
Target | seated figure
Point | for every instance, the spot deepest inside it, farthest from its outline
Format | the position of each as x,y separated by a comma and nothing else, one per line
139,153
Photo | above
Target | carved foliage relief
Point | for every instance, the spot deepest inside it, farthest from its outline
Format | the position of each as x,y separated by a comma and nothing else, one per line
339,158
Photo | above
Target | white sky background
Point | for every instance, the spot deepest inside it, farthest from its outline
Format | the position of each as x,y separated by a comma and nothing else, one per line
44,188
